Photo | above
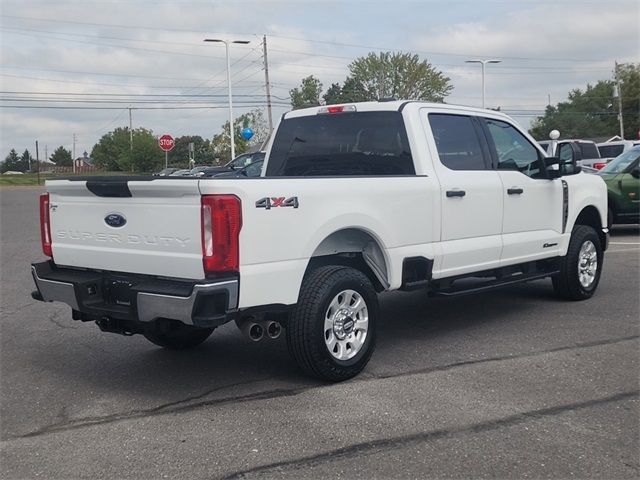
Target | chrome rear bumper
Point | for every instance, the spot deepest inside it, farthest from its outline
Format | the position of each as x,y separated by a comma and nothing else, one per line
94,295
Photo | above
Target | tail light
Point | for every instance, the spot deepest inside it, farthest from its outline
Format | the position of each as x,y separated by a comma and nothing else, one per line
221,218
45,225
599,165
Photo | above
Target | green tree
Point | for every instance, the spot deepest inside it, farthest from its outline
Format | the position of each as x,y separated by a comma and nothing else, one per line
109,148
25,161
220,143
11,163
308,94
350,91
113,151
61,156
397,75
593,112
202,153
376,76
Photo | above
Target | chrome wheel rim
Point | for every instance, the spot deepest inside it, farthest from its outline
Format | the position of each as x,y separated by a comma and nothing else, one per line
346,324
587,264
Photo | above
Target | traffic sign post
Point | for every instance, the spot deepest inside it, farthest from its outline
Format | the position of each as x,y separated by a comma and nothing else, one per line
166,144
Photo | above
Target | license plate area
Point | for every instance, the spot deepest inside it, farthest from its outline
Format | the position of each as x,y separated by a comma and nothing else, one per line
118,292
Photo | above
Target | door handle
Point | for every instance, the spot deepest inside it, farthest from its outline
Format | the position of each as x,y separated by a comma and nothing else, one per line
515,191
456,193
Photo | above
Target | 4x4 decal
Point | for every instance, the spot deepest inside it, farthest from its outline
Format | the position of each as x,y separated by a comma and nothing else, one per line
273,202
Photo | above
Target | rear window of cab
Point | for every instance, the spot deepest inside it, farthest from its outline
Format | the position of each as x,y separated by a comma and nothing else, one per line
341,144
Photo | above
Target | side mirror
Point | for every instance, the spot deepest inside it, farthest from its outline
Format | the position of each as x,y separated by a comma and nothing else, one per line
635,172
565,167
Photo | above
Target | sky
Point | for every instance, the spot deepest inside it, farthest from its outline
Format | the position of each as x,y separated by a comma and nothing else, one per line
87,62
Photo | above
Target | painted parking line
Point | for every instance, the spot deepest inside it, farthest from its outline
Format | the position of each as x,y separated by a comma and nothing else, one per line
625,250
624,243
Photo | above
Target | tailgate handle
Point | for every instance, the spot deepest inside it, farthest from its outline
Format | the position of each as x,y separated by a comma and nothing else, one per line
109,188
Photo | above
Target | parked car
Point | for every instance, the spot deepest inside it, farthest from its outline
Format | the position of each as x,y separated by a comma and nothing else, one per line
622,176
165,172
180,173
613,149
585,151
355,200
197,171
238,163
252,170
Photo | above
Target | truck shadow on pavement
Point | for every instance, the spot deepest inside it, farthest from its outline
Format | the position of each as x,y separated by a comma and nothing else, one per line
134,365
125,378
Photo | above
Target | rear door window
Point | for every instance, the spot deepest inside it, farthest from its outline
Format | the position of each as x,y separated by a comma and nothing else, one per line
610,151
459,146
589,150
360,143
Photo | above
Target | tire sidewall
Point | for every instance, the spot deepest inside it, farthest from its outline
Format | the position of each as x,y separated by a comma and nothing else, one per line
364,288
592,236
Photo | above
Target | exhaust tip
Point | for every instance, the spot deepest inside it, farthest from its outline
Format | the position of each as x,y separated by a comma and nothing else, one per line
274,329
256,332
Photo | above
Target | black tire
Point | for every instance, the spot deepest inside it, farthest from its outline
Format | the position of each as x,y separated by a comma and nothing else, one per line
567,283
610,217
176,335
306,326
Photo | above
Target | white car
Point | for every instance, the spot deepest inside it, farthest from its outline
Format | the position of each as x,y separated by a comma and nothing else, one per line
610,150
354,200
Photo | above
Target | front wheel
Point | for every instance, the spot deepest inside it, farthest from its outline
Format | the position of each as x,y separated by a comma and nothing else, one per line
331,331
581,268
176,335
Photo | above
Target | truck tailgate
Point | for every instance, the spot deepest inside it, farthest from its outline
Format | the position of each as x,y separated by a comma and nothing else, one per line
123,225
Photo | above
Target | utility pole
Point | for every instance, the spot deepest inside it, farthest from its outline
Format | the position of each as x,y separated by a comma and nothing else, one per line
46,153
548,99
130,130
38,161
73,155
618,90
266,83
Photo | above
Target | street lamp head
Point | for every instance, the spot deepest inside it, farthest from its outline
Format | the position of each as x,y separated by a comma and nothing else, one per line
219,40
483,61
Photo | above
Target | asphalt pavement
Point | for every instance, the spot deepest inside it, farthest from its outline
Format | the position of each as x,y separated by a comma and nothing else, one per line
508,384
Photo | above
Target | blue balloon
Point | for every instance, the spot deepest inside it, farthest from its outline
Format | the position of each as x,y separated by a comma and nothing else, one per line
247,133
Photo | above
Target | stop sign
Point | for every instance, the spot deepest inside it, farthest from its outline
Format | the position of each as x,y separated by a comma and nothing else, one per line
166,142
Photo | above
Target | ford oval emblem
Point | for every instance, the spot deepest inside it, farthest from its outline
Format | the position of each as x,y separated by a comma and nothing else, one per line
115,220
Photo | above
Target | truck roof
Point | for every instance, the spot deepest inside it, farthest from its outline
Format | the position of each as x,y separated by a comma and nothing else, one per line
394,105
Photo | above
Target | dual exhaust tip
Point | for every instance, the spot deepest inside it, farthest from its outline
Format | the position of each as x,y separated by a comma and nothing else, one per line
256,330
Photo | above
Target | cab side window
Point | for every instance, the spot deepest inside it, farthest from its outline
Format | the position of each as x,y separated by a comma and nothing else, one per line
513,150
457,141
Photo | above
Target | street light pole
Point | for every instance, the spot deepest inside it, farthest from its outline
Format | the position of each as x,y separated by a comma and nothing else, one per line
226,44
483,63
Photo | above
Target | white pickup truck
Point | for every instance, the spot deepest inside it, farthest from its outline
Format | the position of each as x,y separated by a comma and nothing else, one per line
353,200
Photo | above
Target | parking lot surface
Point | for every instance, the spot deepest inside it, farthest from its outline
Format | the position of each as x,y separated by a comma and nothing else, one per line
512,383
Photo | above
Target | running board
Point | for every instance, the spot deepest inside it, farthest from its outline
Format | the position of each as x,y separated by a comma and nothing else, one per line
484,286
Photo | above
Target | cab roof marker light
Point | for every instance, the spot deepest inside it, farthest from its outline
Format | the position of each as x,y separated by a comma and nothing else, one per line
336,109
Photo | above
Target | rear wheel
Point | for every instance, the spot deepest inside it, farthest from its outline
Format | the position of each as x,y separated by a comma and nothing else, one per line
581,268
331,331
176,335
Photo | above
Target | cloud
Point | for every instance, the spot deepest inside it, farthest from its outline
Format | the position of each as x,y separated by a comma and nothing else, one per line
156,48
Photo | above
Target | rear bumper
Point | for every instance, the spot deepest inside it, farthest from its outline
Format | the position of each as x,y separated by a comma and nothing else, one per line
95,295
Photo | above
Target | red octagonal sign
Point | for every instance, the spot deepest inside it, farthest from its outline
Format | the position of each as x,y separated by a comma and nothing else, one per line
166,142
